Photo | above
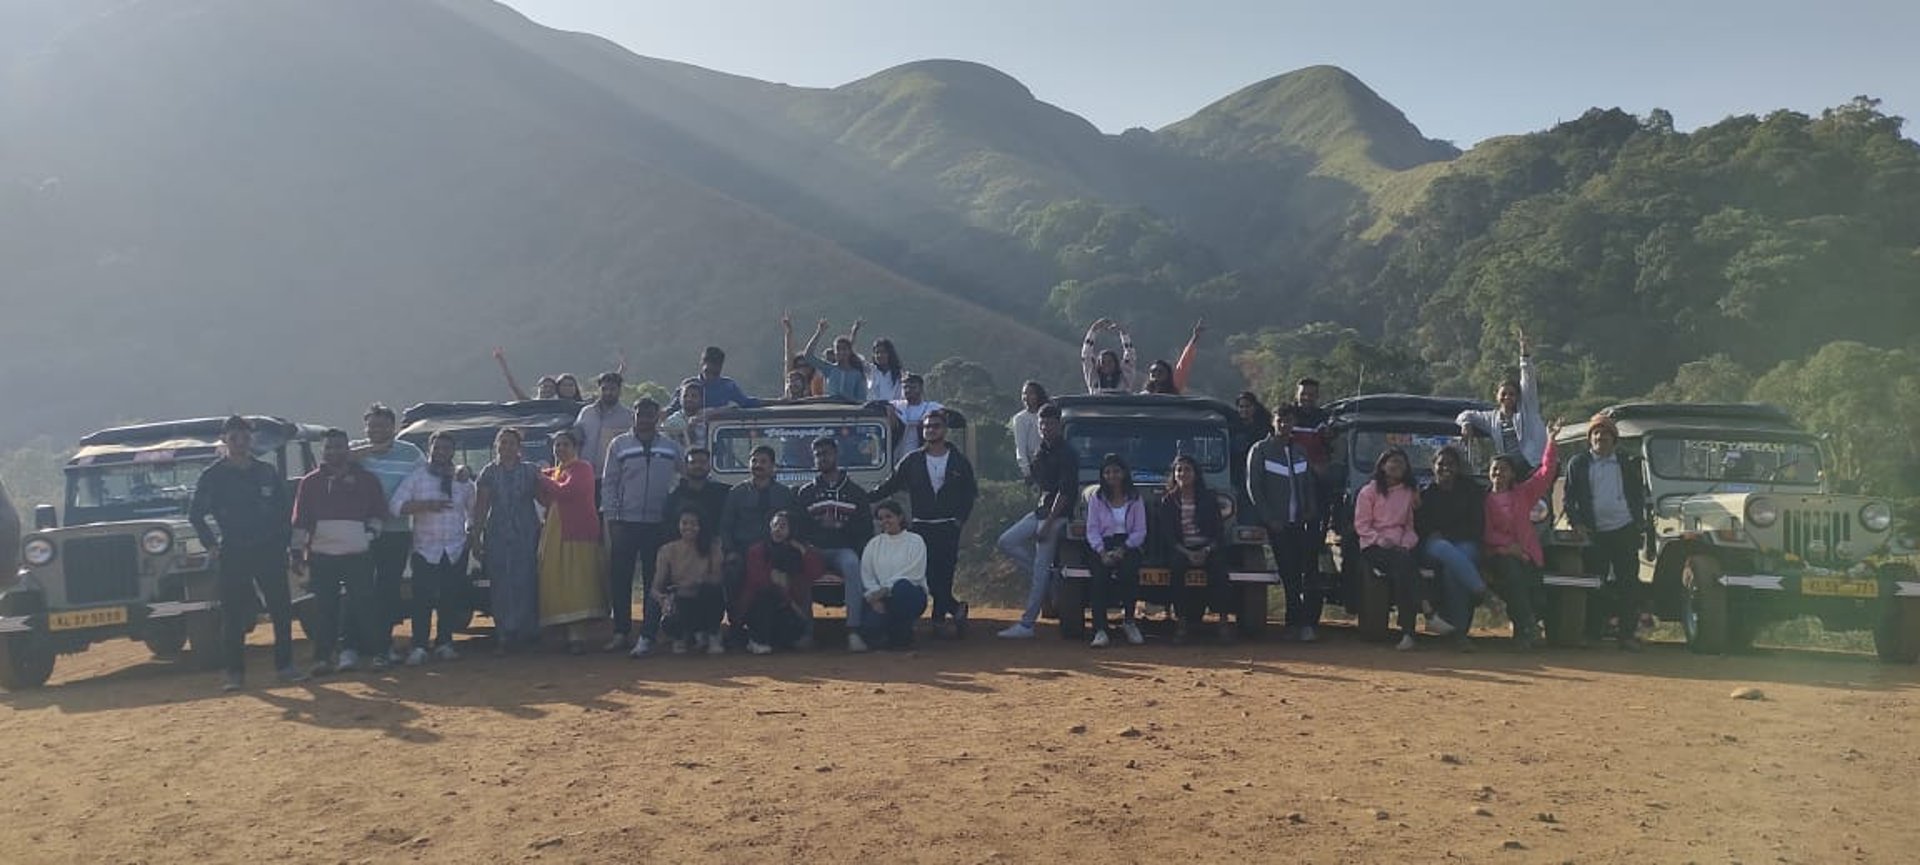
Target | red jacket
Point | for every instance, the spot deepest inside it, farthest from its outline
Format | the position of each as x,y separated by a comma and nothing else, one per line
759,578
1507,512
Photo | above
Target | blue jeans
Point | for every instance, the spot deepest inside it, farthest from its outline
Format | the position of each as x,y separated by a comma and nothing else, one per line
1458,566
894,627
846,563
1033,552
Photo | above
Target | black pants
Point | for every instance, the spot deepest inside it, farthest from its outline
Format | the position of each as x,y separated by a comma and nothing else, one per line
1518,582
242,567
698,613
361,632
1110,585
438,587
772,620
1615,556
943,556
1296,553
630,543
1402,572
1190,603
391,550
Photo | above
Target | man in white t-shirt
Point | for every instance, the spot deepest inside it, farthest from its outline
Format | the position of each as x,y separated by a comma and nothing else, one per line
909,410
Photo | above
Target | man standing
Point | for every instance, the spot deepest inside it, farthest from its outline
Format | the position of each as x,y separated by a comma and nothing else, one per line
698,490
743,519
337,511
839,523
720,391
439,505
1280,483
1515,425
248,499
639,475
908,411
1605,502
601,420
1032,540
941,488
391,460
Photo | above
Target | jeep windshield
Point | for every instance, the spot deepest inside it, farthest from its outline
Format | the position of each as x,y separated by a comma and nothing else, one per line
132,490
1735,459
862,445
1148,447
1421,448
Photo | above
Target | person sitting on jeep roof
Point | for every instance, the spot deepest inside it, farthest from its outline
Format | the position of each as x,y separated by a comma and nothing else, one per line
893,578
1116,533
908,411
337,510
1511,545
720,391
1103,370
941,487
687,424
1288,499
885,369
1514,424
686,587
1383,518
775,602
1451,520
1191,525
844,374
248,499
1605,501
1171,378
838,520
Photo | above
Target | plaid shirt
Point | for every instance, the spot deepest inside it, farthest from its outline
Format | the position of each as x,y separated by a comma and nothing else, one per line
436,534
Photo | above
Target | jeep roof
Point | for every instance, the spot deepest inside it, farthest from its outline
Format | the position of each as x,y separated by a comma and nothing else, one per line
1640,418
184,438
538,416
1150,406
1401,409
817,408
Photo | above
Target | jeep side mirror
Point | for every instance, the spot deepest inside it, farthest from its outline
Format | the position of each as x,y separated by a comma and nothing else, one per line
45,517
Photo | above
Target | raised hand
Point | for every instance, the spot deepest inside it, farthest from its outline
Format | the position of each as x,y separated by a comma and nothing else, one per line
786,320
1199,327
1522,334
822,326
1553,429
499,353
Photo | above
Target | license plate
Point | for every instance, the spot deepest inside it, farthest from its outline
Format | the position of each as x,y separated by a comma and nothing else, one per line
73,619
1196,579
1837,587
1154,576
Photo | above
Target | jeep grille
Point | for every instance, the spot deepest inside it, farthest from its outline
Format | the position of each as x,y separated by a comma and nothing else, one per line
101,569
1802,529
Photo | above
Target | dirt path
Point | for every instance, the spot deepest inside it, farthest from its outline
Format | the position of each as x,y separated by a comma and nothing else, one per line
977,752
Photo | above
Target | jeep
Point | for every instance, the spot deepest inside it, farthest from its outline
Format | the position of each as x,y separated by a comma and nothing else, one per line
127,563
1745,530
1148,431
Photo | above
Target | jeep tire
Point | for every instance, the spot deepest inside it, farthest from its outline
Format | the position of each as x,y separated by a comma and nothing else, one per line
203,638
1703,605
165,638
1253,609
1376,602
26,662
1566,617
1070,601
1896,634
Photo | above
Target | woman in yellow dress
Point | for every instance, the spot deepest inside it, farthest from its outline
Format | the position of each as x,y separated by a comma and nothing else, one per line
573,564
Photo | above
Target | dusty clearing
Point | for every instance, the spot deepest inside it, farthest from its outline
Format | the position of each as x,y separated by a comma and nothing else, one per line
979,751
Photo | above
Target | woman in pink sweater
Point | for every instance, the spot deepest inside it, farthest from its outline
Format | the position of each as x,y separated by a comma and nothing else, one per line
1383,518
1513,556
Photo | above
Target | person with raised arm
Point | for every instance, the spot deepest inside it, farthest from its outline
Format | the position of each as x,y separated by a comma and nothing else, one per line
1104,370
573,564
1514,424
1510,544
845,374
1171,378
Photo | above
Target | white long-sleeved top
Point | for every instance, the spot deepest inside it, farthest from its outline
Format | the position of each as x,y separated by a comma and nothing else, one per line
1026,439
889,558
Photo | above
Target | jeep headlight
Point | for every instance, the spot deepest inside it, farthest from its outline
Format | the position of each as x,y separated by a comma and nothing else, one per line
1876,516
1227,506
37,552
156,541
1540,512
1762,512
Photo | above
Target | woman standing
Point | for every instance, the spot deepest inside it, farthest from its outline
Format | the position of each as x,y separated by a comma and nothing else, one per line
1191,523
885,371
687,583
507,534
1026,426
1116,532
893,580
573,564
1383,518
1512,546
776,595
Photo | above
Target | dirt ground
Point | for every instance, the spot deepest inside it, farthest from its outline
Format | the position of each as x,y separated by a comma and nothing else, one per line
978,751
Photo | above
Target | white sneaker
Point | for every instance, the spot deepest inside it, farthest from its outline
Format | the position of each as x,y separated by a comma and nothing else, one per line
679,647
1100,640
715,645
349,660
1307,635
1439,627
1017,631
1133,633
641,647
856,644
757,648
1405,644
416,657
446,653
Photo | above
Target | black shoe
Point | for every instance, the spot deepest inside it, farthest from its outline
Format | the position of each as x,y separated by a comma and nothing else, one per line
960,621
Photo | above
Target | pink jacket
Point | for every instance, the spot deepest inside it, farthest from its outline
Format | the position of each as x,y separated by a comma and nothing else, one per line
1385,520
1507,512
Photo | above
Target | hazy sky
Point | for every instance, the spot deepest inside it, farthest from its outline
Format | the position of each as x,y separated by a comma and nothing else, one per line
1461,70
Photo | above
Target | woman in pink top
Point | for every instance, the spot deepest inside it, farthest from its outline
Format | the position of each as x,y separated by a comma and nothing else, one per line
573,564
1513,556
1383,518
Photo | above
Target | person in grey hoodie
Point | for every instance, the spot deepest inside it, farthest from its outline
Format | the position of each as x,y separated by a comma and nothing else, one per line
1280,481
641,467
1514,425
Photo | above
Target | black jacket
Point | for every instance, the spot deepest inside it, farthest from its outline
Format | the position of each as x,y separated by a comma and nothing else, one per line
250,503
1459,514
1288,486
1579,498
838,516
954,501
709,500
1206,512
